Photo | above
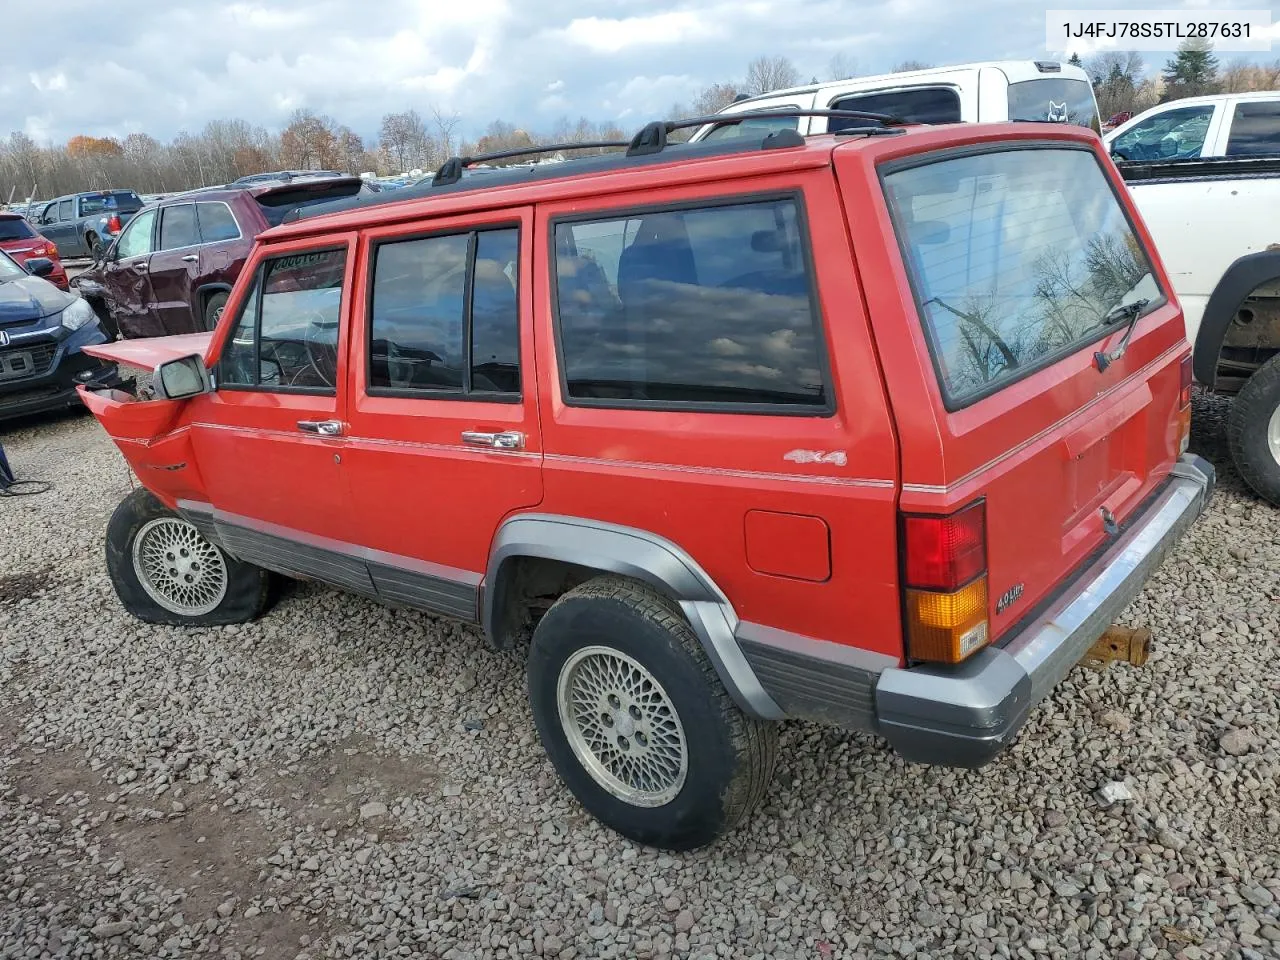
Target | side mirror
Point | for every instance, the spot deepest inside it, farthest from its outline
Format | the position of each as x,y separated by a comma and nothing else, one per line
39,266
182,378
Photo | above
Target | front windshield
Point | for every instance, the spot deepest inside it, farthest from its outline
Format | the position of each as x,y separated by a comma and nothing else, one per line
10,270
1017,256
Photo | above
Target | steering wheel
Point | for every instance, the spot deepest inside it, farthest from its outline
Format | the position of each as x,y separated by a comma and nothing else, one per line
322,356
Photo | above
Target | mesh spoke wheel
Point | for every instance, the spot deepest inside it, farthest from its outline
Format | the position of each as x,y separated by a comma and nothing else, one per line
1273,435
622,726
178,568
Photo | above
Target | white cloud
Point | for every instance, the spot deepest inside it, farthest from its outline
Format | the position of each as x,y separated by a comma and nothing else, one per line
164,68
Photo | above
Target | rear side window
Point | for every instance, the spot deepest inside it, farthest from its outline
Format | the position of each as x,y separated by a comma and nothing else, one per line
445,318
216,222
287,335
1255,130
14,228
1017,258
916,105
708,306
178,226
1054,100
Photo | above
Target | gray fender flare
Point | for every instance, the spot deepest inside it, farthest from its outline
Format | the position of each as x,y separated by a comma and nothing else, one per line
635,553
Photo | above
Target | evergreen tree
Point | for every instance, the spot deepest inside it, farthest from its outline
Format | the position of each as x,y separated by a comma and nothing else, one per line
1075,60
1192,72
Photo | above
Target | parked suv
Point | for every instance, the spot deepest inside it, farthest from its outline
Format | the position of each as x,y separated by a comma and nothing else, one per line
880,431
172,268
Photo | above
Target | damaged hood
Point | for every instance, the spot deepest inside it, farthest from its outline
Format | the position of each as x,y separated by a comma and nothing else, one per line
30,298
149,353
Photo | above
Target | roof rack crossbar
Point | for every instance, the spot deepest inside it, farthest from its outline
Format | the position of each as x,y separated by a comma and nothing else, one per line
451,170
653,137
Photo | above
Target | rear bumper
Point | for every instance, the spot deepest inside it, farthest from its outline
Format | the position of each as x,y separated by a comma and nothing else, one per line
963,716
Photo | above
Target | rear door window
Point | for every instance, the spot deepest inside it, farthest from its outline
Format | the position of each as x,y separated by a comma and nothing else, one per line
1255,130
445,318
703,307
178,226
1017,258
914,105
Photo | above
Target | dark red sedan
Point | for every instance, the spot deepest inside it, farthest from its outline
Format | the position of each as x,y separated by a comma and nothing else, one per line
20,241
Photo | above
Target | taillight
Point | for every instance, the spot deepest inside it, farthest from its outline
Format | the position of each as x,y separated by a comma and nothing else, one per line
945,579
1184,404
113,223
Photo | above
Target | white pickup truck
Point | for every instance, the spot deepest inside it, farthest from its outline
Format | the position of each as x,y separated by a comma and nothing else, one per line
1215,223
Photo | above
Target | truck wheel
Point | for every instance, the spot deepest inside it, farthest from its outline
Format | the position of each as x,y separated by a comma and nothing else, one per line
165,571
1253,431
637,723
213,310
94,244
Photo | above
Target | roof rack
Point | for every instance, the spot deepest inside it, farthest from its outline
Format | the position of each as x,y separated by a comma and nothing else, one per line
451,170
652,138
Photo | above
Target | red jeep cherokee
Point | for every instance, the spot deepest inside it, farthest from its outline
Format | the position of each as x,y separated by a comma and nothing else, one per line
879,429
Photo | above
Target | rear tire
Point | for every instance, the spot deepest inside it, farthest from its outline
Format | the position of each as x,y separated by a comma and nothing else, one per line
1253,431
94,244
636,721
213,310
165,571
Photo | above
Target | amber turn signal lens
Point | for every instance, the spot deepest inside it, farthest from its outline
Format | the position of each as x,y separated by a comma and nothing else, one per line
947,627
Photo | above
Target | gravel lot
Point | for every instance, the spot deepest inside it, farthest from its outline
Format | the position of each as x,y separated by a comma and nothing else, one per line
339,780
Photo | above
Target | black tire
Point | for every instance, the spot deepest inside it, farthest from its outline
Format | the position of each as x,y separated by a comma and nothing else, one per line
213,310
245,596
1247,425
94,244
730,755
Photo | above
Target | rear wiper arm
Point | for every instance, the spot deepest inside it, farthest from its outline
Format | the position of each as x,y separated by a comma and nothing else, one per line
1124,311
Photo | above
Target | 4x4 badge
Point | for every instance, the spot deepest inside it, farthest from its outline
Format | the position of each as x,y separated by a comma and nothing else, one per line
836,457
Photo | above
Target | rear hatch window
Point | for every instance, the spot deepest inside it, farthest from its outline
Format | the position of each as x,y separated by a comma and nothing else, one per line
14,228
1017,259
1054,100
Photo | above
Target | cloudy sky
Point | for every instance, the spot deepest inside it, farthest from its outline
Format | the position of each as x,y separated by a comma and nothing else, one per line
161,66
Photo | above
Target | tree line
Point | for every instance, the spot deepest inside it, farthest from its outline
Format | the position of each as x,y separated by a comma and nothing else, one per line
1122,85
227,149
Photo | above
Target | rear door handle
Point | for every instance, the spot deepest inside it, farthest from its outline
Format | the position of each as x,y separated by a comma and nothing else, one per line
505,440
325,428
190,258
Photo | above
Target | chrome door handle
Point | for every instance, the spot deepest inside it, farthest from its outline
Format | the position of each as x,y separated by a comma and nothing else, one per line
506,440
326,428
190,258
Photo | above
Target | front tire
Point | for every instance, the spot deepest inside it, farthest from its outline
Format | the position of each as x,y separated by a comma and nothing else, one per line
1253,431
636,721
165,571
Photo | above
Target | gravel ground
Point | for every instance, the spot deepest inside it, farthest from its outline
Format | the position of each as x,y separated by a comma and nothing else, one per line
342,780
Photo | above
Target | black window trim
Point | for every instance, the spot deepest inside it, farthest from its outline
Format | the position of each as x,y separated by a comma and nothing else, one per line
472,233
259,274
825,410
950,403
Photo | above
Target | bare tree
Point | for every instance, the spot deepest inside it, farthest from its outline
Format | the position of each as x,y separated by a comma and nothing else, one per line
714,98
907,66
841,67
403,137
446,122
1116,79
765,74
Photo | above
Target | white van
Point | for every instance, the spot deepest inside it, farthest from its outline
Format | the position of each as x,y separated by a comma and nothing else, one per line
996,92
1225,125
